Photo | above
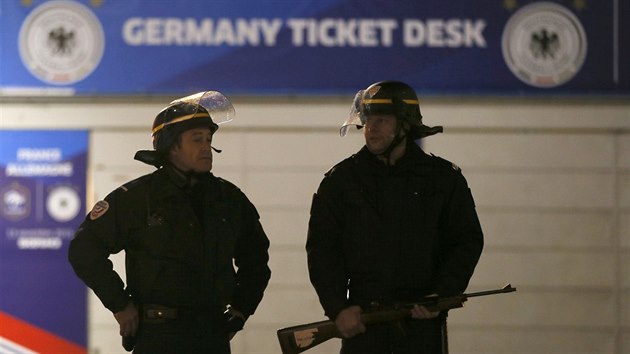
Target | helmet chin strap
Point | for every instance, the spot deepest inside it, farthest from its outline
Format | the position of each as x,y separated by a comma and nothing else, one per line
191,176
398,138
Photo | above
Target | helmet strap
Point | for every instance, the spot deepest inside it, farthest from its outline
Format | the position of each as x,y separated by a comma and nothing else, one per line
398,138
190,176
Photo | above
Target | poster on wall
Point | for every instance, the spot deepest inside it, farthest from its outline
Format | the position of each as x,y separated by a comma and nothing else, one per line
313,47
43,305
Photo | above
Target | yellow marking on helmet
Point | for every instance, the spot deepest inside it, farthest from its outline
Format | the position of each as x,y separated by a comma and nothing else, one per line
377,100
386,100
180,119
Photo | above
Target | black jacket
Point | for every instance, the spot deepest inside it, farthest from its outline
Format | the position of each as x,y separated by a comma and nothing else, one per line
391,234
180,244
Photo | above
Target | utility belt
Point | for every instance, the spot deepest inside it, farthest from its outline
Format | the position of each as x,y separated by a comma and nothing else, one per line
185,317
158,314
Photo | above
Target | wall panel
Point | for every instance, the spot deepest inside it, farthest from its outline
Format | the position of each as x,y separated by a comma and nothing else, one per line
551,187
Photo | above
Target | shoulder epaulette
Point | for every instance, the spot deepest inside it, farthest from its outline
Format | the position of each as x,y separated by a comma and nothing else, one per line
342,162
225,183
446,162
133,183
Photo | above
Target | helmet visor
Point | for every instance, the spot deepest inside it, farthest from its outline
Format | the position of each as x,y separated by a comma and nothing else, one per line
218,106
211,105
356,116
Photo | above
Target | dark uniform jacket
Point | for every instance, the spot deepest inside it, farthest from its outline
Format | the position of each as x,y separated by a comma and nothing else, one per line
390,234
180,244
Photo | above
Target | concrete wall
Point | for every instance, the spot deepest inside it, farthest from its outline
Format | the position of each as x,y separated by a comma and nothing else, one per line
550,179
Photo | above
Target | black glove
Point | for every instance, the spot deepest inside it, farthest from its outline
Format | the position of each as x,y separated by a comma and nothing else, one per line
128,343
234,320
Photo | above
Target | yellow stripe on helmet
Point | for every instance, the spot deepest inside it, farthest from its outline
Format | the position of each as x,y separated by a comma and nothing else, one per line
386,101
377,100
180,119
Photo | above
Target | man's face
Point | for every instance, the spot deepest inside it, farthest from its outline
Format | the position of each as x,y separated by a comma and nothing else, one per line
194,152
379,132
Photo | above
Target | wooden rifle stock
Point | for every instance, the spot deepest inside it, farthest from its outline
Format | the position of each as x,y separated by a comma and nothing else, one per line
296,339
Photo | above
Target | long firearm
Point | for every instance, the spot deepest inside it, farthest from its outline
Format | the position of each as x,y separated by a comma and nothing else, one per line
296,339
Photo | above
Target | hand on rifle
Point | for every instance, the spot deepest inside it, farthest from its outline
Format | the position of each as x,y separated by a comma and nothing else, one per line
348,322
128,320
422,313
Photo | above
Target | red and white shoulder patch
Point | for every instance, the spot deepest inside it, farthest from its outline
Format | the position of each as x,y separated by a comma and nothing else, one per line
99,209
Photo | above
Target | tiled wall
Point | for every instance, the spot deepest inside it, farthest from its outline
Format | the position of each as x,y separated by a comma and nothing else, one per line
552,189
554,207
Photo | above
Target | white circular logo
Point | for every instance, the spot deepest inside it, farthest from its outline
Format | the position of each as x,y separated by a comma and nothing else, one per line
61,42
63,204
544,44
15,202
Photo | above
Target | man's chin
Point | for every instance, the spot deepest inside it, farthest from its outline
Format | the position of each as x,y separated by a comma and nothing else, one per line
376,151
202,169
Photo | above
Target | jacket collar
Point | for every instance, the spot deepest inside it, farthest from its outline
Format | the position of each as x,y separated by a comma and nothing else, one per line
172,182
413,158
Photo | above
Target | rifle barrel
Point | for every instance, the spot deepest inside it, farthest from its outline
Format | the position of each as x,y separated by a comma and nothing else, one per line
506,289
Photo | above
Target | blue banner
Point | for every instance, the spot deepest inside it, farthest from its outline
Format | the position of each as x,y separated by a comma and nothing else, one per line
43,305
313,47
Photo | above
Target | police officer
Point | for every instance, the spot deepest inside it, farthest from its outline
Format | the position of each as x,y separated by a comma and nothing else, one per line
391,224
182,230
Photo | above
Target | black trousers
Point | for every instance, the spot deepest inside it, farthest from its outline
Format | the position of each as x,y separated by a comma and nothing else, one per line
181,337
403,337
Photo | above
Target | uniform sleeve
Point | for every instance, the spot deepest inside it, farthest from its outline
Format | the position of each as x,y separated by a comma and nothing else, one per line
99,236
251,258
325,250
463,242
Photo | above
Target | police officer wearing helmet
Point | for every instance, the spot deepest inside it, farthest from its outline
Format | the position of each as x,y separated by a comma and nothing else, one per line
195,252
389,225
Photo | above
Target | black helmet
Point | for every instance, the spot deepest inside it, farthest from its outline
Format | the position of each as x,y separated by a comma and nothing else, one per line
203,109
175,119
389,97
